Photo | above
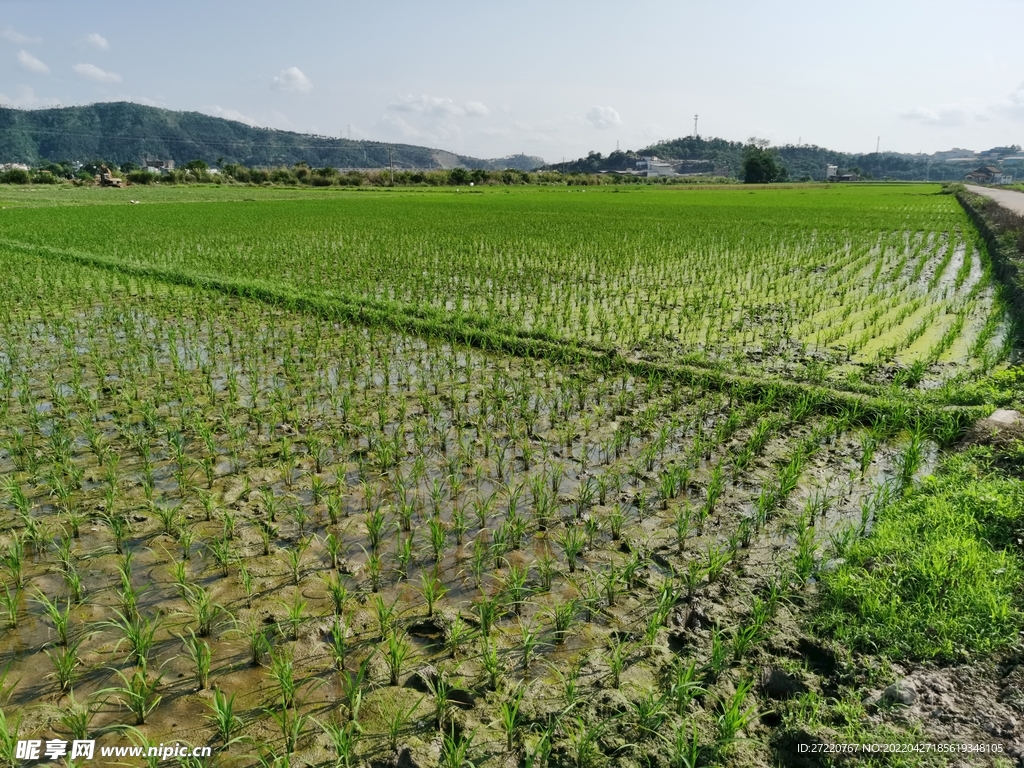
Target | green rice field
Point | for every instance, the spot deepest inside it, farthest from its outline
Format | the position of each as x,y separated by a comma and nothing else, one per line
526,477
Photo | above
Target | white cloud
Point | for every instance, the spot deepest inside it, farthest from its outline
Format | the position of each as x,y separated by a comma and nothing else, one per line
654,132
445,132
1013,105
1010,106
25,98
400,125
438,134
229,114
92,72
941,117
17,38
554,131
98,41
292,80
604,117
438,106
31,63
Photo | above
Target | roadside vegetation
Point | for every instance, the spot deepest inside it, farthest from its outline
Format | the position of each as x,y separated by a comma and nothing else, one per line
939,576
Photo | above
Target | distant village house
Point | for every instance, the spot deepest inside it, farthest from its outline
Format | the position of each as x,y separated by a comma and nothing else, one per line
159,166
988,174
832,174
652,166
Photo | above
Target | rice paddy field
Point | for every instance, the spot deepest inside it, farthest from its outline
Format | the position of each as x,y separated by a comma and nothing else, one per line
529,477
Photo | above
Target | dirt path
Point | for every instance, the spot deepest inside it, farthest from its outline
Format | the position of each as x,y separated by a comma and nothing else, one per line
1007,198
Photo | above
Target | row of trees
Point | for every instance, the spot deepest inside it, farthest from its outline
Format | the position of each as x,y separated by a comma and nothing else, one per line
301,174
55,173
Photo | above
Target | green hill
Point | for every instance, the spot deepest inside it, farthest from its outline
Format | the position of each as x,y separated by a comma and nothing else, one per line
697,154
121,132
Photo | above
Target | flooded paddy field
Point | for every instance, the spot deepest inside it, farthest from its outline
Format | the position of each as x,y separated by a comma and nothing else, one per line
309,540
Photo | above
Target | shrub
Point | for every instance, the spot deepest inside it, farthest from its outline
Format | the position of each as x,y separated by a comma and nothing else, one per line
283,176
458,176
238,172
15,176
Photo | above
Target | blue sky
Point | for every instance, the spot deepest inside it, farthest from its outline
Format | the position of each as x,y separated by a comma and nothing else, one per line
547,78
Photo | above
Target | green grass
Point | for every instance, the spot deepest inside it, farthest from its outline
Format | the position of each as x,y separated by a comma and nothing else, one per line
939,575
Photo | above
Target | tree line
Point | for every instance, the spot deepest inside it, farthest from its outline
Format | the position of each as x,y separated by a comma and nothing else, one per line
302,174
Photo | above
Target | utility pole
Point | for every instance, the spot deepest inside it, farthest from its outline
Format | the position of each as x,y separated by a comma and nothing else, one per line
878,144
695,126
391,163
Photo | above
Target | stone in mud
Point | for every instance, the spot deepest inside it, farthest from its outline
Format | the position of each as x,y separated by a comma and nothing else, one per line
423,678
1005,416
661,560
346,567
401,759
426,676
899,693
695,615
1001,430
778,684
610,701
429,629
832,564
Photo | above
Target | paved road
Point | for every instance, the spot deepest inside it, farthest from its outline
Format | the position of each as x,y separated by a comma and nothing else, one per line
1007,198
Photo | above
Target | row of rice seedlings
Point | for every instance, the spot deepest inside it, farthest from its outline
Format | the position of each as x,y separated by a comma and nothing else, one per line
620,291
218,549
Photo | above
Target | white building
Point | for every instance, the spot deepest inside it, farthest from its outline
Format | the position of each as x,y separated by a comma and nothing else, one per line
652,166
989,174
159,166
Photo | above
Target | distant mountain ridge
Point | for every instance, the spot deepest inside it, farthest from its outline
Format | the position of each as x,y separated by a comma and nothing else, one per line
120,132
